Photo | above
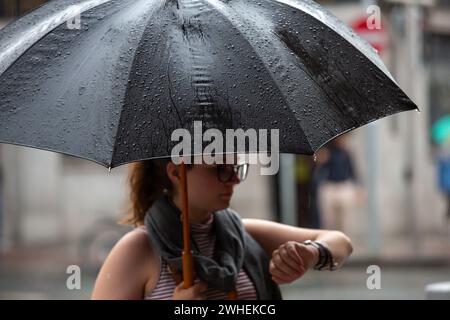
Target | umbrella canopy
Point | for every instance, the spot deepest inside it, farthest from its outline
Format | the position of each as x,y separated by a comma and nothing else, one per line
114,90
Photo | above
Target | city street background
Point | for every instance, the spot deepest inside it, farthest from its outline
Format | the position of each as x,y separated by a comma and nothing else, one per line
57,211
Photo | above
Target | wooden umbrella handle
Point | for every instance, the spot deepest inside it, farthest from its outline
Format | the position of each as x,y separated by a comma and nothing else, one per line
232,295
188,277
188,268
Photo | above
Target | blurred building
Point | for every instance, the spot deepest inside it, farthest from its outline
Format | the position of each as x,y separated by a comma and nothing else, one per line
14,8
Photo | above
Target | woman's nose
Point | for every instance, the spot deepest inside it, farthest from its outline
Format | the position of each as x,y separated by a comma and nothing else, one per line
235,179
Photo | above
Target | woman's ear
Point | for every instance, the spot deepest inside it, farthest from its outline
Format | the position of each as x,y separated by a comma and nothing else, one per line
173,172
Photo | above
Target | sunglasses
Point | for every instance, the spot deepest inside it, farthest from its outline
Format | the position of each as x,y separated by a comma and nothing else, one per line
226,172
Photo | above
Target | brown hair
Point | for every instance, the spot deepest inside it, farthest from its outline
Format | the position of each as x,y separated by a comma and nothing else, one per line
147,180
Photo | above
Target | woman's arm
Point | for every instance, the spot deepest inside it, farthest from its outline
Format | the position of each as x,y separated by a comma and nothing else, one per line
127,269
284,244
271,235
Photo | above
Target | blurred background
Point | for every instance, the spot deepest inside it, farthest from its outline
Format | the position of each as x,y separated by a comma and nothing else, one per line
386,185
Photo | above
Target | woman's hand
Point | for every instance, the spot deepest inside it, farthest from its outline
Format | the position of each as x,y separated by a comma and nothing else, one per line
196,292
291,260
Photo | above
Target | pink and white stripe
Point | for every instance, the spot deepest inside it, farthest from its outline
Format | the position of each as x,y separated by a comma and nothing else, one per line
205,240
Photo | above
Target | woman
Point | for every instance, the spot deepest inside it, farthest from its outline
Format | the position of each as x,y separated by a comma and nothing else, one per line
251,257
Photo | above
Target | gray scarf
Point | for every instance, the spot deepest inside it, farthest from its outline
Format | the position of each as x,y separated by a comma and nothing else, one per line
165,230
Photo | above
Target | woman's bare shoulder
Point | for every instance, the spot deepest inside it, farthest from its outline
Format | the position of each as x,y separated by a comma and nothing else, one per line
128,268
136,239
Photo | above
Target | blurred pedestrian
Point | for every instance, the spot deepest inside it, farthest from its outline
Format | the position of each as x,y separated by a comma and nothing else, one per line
339,191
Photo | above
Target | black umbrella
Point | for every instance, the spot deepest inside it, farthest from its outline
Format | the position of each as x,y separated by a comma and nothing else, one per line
114,90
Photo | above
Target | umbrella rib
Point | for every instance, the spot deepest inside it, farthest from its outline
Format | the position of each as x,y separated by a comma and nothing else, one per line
155,8
28,145
170,92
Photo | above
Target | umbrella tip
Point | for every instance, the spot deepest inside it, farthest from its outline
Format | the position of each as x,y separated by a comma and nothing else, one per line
109,168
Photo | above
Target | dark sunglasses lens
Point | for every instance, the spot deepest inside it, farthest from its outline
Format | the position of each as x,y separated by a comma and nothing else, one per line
225,173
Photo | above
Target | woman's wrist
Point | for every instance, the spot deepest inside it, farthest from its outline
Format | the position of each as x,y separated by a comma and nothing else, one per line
325,259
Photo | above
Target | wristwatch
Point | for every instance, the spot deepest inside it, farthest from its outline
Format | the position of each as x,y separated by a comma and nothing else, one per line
319,265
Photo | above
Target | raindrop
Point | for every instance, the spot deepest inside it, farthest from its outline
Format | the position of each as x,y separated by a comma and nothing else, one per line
315,157
81,90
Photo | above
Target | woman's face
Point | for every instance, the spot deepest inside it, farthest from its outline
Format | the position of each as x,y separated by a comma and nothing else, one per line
205,191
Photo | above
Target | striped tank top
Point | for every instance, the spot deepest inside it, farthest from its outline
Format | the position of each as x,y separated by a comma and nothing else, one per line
205,240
